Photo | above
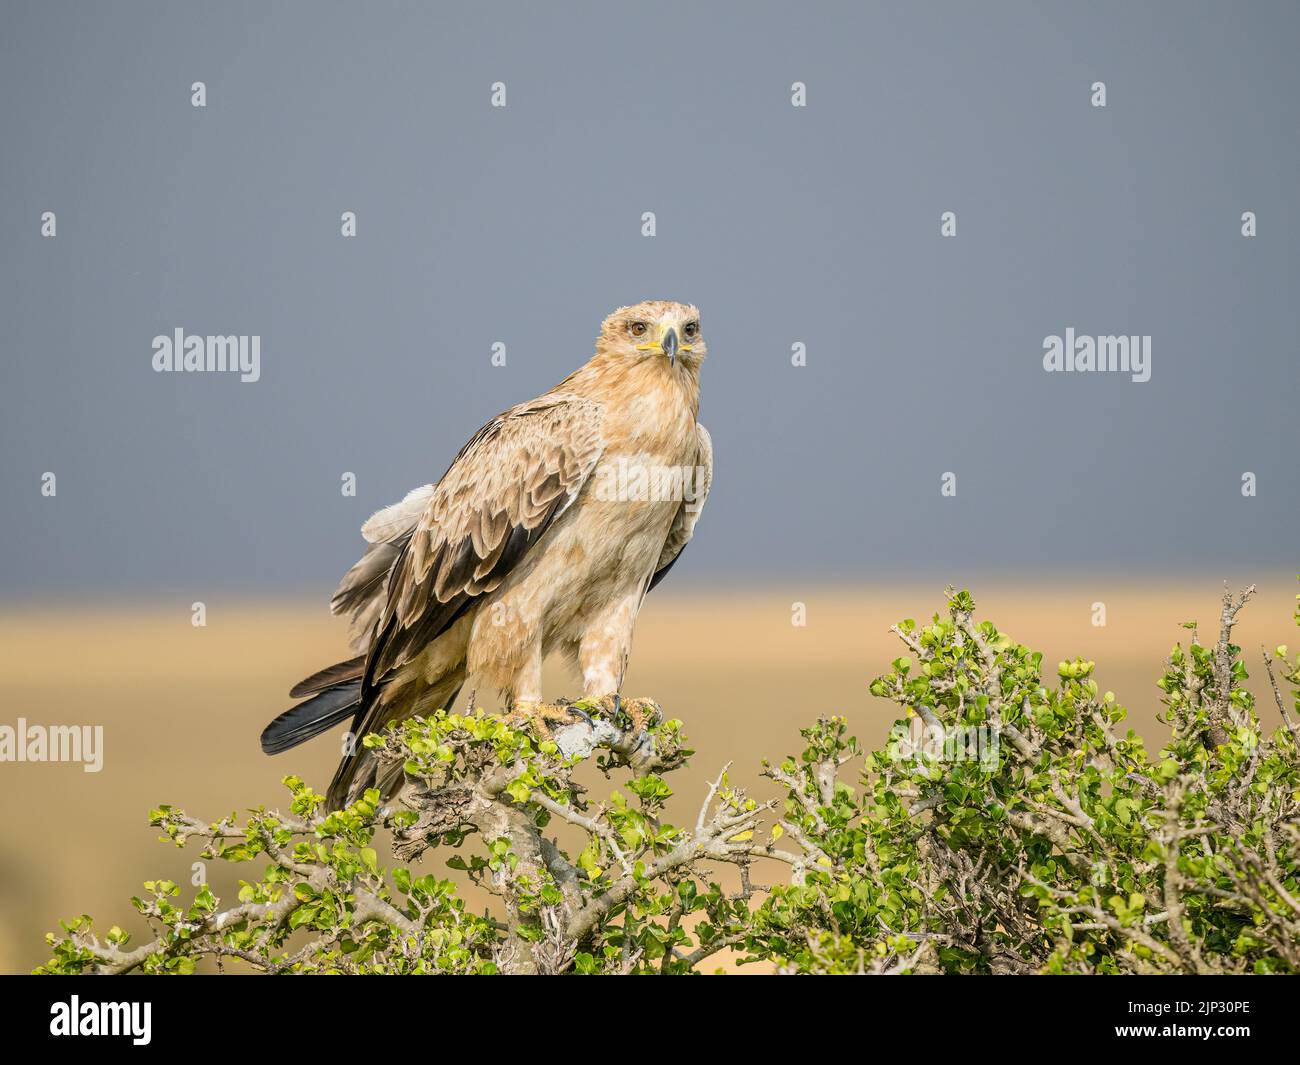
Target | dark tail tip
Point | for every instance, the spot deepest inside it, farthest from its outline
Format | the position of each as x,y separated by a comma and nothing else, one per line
302,722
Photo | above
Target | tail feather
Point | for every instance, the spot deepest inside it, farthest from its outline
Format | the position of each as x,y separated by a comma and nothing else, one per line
329,677
311,718
361,769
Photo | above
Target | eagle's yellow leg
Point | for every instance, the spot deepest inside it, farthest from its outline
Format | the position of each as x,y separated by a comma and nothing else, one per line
542,718
545,718
642,713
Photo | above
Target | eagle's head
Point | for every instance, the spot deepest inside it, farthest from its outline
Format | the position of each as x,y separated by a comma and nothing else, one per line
654,329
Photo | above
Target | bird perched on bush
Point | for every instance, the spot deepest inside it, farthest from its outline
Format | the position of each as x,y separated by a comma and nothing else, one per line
544,535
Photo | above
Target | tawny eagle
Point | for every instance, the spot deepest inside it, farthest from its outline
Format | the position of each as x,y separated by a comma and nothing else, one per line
545,534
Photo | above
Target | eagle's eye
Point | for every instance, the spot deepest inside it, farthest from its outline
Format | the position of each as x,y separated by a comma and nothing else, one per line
637,329
691,330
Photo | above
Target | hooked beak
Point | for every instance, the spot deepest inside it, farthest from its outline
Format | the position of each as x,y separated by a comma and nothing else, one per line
669,345
666,345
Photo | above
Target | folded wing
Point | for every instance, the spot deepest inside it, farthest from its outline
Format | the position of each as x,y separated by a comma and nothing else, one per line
683,527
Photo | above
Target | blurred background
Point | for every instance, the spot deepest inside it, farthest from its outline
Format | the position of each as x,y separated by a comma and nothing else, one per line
522,226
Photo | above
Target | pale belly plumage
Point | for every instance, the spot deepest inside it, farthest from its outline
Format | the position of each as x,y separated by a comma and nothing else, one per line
579,591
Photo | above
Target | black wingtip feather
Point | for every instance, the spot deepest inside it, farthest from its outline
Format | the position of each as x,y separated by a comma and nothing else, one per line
329,677
302,722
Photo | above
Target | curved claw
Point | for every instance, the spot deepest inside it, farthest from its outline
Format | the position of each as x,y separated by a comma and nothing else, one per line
575,712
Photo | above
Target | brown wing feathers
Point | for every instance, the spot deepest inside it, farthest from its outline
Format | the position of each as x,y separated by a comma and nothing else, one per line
497,499
433,554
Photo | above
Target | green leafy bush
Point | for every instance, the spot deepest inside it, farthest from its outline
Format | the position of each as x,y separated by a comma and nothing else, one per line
1010,825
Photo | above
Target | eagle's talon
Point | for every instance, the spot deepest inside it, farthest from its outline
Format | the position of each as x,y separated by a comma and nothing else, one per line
611,706
644,714
540,717
637,714
576,712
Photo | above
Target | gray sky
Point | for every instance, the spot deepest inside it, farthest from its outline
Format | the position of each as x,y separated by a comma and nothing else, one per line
523,225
